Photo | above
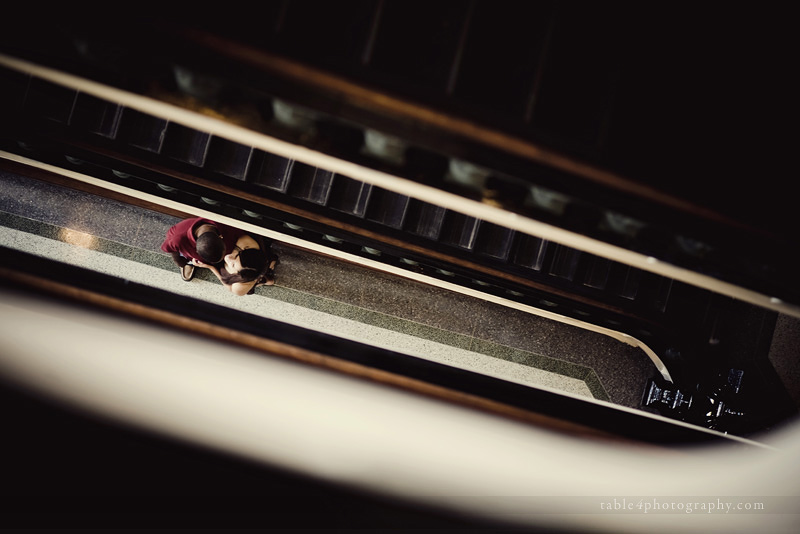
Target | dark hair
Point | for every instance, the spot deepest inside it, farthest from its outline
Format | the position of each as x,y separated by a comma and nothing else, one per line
210,247
254,263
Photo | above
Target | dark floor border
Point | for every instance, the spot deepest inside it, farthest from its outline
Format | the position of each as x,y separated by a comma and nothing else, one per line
600,417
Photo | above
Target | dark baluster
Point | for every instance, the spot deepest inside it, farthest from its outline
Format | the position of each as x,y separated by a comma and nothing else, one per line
494,241
662,295
631,278
531,252
418,50
310,183
388,208
143,131
13,90
96,116
575,93
50,101
597,272
565,262
460,230
502,53
333,33
229,158
425,219
350,196
272,171
186,144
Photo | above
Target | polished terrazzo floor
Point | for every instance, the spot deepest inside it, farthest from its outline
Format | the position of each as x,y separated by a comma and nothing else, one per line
331,295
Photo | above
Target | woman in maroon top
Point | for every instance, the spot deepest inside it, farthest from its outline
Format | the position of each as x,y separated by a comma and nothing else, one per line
251,263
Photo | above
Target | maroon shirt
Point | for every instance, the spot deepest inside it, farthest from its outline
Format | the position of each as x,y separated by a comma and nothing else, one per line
180,238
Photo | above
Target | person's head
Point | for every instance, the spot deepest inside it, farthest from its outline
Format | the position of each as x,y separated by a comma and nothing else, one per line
210,247
243,265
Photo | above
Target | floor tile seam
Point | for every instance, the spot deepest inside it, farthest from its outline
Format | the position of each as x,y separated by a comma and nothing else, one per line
454,339
320,303
595,385
545,363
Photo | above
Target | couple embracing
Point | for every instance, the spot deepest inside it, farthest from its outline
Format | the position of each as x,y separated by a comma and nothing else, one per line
241,261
